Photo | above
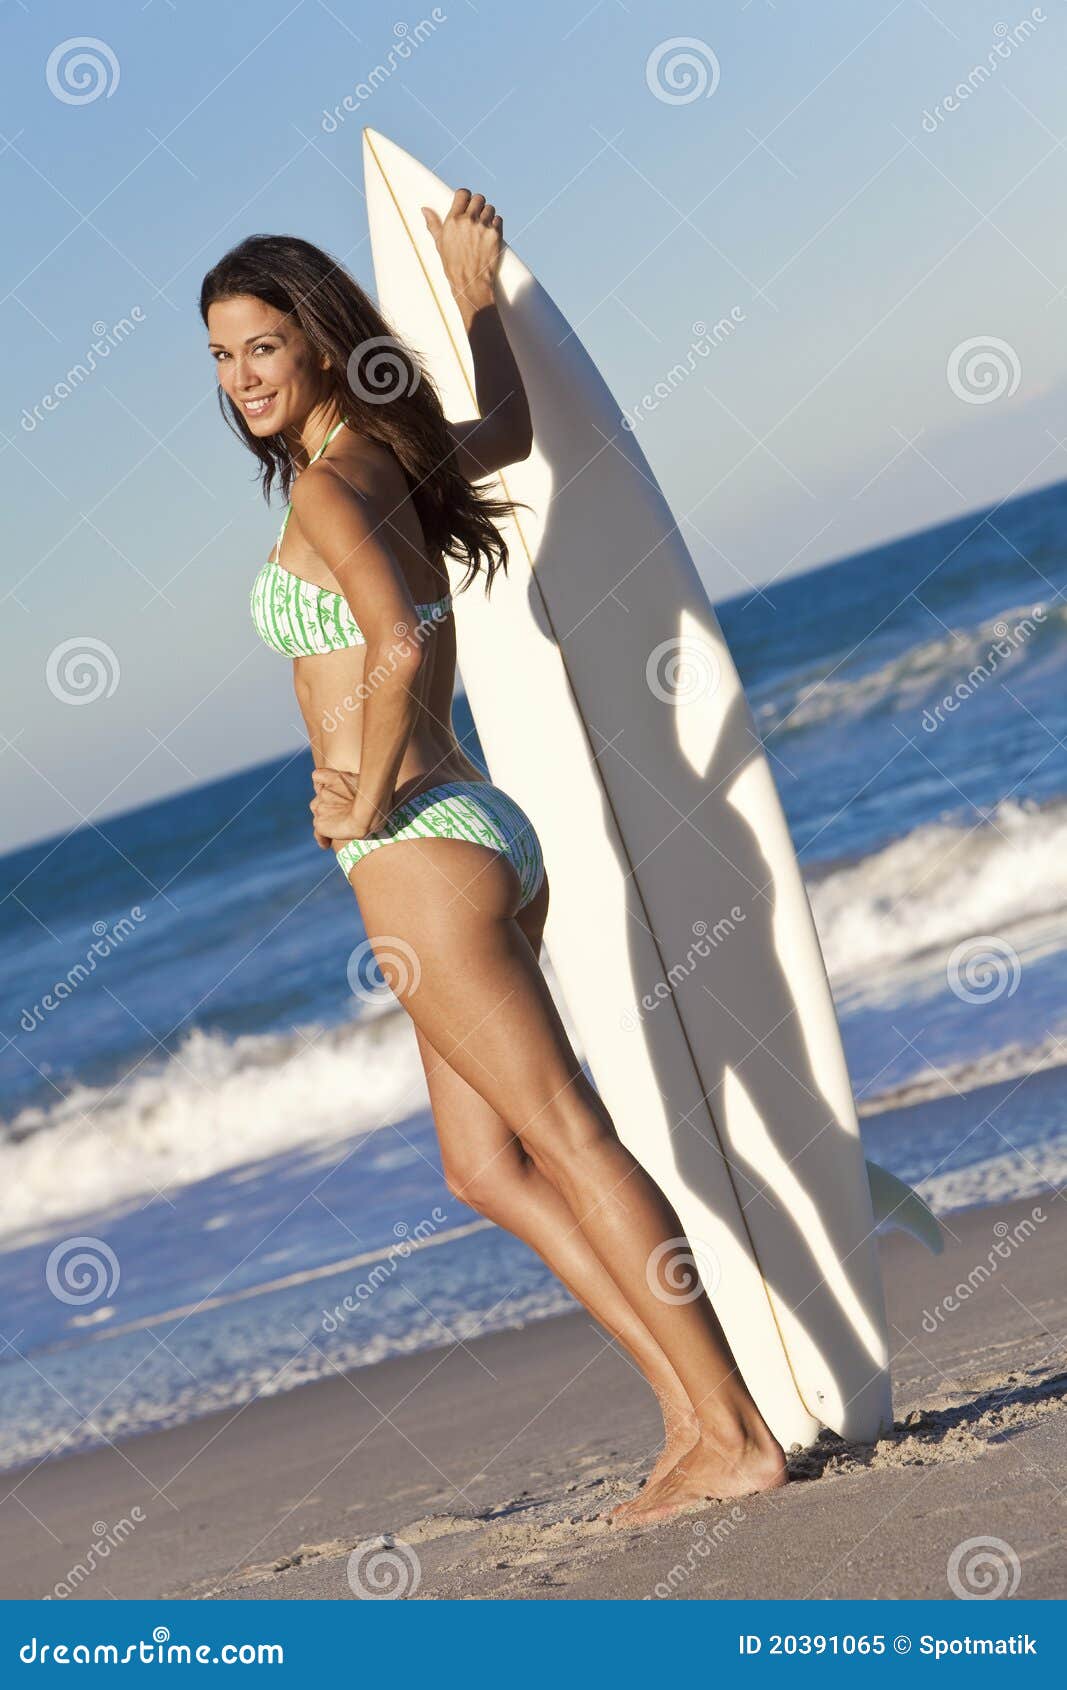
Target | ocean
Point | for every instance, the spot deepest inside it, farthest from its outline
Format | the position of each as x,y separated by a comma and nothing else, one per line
220,1177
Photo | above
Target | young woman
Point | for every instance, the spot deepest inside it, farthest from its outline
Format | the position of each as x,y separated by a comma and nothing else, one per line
446,868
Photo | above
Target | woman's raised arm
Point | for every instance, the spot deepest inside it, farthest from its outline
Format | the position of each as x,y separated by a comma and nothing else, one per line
470,241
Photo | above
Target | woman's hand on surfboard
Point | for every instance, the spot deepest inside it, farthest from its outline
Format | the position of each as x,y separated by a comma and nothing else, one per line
469,241
338,810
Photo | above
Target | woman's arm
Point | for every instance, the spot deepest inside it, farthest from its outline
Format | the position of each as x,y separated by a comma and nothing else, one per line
347,529
469,242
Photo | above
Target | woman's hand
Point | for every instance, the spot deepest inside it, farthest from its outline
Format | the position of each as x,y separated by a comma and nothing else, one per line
469,241
338,811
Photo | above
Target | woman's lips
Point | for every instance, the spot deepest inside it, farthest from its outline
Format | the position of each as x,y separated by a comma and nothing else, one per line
259,407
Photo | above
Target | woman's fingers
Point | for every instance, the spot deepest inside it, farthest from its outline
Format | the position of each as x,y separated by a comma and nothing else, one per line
328,804
464,204
331,780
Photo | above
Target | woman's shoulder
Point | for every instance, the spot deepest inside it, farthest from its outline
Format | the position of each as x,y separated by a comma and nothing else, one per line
355,461
367,466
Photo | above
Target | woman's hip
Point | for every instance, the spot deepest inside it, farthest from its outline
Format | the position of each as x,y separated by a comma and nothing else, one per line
474,810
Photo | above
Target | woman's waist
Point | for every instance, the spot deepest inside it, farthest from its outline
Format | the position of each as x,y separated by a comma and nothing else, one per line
437,769
418,772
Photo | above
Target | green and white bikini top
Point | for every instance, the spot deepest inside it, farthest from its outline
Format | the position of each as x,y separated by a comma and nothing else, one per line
298,619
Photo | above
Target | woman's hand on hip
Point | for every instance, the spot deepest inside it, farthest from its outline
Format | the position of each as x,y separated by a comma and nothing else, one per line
337,809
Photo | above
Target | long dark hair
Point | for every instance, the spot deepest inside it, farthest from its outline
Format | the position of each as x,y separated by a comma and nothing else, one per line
381,388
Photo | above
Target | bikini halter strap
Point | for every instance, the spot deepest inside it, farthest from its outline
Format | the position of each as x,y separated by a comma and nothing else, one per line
289,506
326,442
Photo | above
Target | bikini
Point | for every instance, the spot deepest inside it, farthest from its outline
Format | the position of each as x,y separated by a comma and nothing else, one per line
298,619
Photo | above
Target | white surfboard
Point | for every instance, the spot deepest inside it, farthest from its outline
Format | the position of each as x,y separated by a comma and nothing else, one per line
608,705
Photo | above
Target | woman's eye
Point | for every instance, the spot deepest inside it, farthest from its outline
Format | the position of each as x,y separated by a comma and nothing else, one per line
261,346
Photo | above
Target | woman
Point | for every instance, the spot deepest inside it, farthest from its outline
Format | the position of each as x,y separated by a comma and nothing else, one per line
446,867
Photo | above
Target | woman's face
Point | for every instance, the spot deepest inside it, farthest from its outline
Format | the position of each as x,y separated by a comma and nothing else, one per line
265,364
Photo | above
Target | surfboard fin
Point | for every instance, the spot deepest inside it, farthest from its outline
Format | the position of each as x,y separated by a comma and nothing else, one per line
897,1205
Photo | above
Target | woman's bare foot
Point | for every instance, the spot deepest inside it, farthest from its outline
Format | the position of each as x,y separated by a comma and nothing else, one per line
681,1432
711,1472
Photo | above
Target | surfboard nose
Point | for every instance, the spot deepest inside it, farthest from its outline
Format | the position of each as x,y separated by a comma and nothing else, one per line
381,151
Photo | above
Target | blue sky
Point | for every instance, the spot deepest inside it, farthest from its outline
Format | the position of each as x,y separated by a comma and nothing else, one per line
811,179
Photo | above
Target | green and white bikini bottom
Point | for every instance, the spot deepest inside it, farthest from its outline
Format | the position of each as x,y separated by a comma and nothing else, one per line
461,809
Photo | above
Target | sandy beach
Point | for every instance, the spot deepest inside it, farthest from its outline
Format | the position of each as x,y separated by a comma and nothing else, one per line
482,1469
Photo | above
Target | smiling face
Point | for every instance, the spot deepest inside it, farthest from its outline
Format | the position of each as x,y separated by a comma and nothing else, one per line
265,364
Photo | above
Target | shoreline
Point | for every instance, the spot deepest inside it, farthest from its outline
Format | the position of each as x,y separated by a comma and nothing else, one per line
487,1463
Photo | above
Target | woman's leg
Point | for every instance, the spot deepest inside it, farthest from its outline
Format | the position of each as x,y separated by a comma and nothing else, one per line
472,985
486,1166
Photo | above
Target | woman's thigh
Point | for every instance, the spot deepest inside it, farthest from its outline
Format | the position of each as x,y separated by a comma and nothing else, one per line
440,918
479,1151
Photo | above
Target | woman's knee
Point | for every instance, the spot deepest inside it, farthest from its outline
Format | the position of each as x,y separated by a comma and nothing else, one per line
567,1133
492,1187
